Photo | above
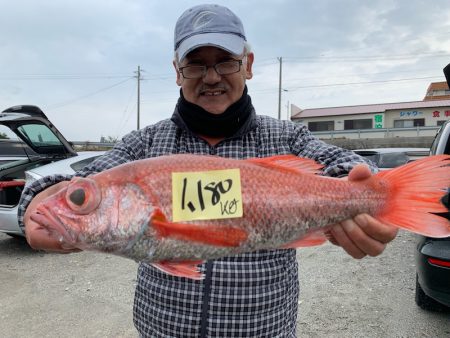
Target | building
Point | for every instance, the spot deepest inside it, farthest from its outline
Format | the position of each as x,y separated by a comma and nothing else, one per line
437,91
406,119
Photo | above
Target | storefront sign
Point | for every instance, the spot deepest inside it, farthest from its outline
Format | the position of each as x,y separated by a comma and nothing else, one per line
411,113
378,120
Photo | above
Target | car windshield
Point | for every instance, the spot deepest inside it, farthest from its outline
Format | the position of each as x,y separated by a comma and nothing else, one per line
392,160
385,160
39,135
12,164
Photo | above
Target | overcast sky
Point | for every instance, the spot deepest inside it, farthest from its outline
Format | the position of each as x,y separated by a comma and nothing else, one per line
77,60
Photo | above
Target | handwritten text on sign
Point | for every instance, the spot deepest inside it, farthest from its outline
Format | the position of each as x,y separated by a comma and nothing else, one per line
204,195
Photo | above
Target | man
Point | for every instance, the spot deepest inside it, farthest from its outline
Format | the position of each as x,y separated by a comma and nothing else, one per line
250,295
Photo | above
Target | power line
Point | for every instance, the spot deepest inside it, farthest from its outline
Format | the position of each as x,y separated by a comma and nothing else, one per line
364,82
321,58
65,103
60,77
125,116
148,98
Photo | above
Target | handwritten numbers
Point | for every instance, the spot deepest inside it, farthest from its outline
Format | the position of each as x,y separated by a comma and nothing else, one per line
211,194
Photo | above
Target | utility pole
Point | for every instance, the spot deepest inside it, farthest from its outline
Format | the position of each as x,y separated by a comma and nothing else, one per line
138,96
288,112
280,59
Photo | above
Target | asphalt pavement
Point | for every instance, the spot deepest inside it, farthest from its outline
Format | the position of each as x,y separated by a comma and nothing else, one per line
91,295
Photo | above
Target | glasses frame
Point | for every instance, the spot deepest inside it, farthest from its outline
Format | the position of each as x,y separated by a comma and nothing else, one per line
205,69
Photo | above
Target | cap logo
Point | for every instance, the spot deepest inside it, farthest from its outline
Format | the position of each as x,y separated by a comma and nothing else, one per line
202,19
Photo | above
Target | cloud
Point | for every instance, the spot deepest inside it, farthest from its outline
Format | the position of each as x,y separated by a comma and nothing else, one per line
77,59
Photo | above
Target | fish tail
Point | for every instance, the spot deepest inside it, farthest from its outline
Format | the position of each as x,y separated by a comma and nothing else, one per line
415,193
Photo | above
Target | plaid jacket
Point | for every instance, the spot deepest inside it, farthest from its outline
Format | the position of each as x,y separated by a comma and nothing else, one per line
250,295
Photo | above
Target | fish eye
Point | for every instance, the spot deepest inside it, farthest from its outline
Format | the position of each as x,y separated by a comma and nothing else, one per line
83,196
78,197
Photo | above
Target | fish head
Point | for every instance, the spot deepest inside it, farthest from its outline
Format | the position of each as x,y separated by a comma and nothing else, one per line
92,214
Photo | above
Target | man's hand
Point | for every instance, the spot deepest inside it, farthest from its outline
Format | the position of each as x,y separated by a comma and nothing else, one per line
37,236
363,235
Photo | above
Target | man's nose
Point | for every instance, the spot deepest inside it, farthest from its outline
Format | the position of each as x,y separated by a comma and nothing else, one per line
211,76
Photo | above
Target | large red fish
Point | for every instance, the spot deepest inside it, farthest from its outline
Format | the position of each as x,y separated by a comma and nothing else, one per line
144,211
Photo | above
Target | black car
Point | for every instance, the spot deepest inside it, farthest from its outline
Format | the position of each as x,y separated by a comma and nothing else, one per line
433,254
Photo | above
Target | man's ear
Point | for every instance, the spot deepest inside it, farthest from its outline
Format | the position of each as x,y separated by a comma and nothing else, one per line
249,66
179,76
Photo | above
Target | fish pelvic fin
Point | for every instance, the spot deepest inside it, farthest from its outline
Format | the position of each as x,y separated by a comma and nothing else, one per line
415,191
290,163
311,239
224,236
181,269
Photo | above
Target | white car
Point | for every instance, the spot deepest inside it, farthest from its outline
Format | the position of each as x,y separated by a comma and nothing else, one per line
50,154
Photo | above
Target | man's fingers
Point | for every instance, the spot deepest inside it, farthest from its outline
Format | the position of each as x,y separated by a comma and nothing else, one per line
375,229
40,197
342,239
37,235
363,235
359,172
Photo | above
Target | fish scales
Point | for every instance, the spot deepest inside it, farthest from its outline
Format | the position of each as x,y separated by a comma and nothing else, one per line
270,222
282,204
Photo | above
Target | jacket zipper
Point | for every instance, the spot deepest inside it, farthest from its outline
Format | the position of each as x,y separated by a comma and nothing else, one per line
206,298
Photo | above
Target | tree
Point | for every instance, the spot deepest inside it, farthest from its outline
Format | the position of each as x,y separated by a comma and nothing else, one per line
109,139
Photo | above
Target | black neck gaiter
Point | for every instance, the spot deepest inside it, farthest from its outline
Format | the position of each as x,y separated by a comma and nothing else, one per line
201,122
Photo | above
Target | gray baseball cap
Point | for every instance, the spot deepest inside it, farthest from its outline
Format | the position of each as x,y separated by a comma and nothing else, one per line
209,25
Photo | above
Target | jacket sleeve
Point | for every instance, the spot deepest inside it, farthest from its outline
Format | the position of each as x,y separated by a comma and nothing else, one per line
337,161
130,148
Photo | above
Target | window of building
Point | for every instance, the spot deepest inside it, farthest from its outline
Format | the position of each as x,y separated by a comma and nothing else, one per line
358,124
440,92
441,122
321,126
409,123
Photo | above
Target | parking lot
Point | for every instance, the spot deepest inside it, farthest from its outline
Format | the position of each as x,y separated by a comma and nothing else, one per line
90,295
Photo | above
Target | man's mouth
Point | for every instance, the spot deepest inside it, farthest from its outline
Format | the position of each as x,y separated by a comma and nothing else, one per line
212,92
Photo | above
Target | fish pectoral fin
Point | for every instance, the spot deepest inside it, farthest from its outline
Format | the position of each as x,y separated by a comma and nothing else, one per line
310,239
187,269
289,162
226,236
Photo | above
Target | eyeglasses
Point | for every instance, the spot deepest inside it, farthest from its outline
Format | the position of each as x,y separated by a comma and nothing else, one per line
222,68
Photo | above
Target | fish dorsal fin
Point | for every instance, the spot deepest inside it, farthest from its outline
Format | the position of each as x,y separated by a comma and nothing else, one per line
289,162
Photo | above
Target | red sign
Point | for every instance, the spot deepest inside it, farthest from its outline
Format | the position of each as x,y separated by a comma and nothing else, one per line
436,113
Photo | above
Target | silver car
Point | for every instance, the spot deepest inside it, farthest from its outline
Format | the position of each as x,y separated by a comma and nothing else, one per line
49,153
388,158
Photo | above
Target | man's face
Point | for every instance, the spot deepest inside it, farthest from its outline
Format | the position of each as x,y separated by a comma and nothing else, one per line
214,92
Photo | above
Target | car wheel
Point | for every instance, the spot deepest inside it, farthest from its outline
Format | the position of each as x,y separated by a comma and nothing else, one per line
428,303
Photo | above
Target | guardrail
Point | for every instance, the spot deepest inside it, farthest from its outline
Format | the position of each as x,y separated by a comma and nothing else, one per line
377,133
331,134
88,145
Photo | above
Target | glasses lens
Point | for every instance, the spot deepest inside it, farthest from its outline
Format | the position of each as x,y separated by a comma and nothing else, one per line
223,68
228,67
193,72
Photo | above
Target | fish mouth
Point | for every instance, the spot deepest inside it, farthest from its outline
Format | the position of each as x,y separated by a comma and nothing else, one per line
53,225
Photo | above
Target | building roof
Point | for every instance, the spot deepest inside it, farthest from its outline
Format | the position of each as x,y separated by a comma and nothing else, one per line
435,87
298,113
